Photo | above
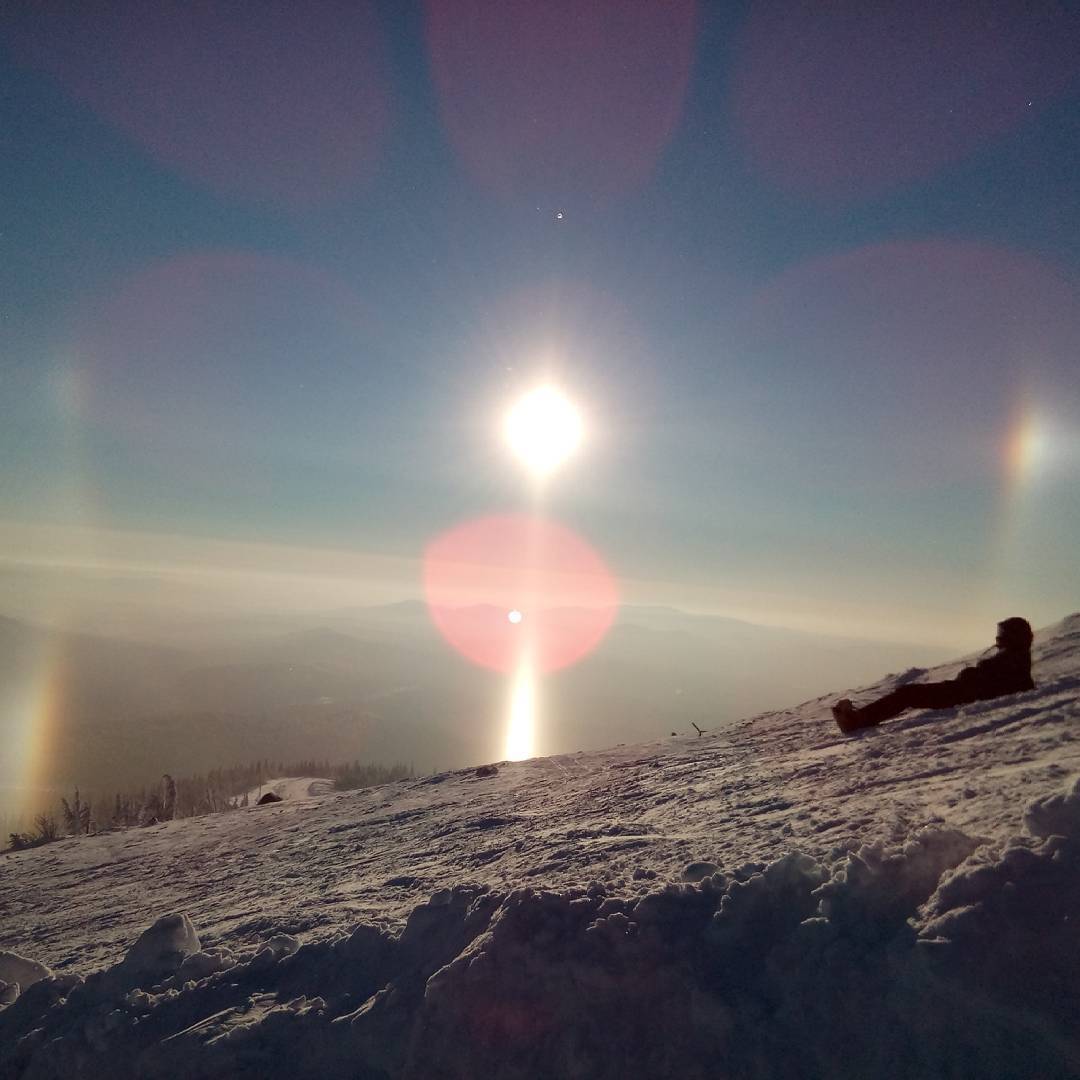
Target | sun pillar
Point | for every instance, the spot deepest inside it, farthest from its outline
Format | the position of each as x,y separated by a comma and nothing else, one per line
521,727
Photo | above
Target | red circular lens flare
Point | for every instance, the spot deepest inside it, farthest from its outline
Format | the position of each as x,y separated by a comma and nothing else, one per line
278,102
560,97
206,348
476,573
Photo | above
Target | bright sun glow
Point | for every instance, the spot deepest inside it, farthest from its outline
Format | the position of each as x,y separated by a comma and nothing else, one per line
521,730
543,429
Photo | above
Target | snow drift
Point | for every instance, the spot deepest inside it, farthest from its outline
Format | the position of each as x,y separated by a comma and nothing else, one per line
905,903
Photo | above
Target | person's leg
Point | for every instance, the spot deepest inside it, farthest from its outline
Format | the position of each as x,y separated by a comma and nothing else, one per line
941,695
876,712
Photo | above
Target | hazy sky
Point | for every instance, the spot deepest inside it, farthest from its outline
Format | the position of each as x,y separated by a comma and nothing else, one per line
273,273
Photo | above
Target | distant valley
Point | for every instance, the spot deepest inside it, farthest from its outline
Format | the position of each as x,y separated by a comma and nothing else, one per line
380,684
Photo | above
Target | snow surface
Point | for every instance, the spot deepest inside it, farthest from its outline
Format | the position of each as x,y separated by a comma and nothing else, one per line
773,899
292,787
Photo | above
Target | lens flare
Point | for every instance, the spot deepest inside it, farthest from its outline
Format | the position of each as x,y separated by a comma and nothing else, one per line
281,104
477,573
565,97
197,352
543,429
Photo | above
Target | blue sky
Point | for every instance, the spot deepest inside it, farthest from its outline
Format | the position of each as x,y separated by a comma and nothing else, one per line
812,280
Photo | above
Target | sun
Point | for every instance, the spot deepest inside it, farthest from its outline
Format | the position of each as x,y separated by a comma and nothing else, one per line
543,429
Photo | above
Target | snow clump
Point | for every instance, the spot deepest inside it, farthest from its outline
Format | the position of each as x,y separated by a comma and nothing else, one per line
18,971
162,948
1055,814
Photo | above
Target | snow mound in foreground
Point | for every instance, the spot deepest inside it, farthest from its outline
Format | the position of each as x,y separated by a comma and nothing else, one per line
941,956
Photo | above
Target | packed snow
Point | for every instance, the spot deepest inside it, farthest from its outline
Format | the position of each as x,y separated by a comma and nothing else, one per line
292,788
771,899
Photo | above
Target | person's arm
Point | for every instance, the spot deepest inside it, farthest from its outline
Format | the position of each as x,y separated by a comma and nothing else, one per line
966,676
977,675
996,676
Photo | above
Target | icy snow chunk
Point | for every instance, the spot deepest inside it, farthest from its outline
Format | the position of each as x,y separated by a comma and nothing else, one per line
101,1027
1055,815
44,993
1007,924
1027,894
18,969
162,948
698,870
368,944
755,913
199,965
138,1000
747,870
875,891
277,948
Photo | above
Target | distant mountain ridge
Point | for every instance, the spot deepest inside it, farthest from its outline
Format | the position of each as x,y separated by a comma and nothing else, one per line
381,684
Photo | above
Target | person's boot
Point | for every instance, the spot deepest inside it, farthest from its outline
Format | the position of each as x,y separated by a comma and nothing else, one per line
844,714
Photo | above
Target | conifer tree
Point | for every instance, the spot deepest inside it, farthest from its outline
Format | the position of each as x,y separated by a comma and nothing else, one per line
76,815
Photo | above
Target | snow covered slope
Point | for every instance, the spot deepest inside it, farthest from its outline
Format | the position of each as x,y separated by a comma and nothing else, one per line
292,787
770,900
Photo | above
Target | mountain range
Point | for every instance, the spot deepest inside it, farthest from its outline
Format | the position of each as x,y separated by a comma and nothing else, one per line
380,684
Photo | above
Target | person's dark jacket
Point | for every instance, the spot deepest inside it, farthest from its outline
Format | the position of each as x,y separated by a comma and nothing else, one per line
1007,672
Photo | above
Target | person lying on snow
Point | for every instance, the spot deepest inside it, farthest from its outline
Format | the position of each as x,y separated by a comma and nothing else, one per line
1006,672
